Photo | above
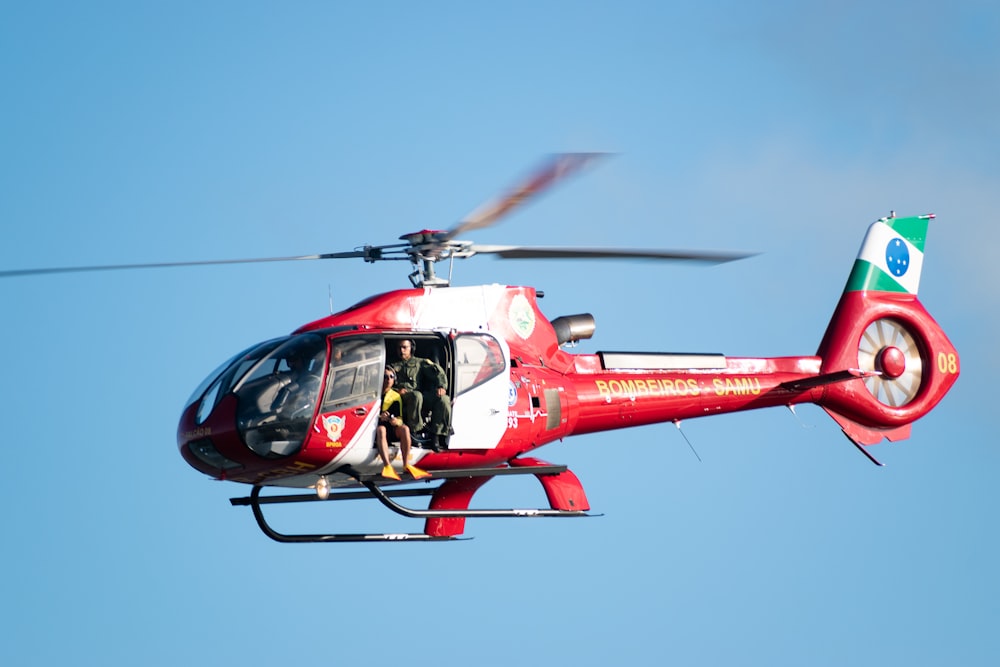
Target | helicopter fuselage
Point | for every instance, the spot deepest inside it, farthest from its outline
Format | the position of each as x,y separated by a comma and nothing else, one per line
302,411
512,385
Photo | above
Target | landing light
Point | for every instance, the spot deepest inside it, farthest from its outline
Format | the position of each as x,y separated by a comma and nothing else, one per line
323,488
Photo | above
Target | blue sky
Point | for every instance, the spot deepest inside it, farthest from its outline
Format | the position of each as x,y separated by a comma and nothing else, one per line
146,132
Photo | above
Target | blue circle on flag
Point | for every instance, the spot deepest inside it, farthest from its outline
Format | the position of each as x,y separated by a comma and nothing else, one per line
897,257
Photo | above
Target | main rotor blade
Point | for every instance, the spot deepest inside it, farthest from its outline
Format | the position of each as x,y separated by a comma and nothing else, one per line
556,252
553,170
163,265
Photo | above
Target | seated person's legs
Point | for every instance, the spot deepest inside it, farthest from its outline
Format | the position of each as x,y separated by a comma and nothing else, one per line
413,405
440,421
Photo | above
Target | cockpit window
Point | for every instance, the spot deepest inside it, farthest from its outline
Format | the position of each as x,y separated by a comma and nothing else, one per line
222,380
355,376
277,397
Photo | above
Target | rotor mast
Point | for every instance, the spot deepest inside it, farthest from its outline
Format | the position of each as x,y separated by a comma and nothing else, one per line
427,248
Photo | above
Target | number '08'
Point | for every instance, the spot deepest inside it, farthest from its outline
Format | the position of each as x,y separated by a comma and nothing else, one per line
947,363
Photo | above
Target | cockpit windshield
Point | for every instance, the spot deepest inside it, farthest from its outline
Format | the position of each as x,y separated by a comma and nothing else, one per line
225,377
277,386
277,397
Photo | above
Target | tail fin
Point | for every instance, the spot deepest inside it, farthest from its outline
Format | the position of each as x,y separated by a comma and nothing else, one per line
891,257
880,328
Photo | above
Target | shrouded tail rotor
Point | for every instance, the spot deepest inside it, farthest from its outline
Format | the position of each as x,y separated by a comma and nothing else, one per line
891,350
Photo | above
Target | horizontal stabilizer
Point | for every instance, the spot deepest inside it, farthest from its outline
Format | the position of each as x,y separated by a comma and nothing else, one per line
827,378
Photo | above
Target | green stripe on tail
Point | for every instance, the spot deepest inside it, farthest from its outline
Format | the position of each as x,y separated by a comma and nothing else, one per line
891,256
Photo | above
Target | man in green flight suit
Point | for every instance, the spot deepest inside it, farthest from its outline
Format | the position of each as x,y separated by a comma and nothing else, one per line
423,383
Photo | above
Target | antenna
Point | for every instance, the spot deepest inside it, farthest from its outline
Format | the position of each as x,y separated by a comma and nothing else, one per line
791,408
677,423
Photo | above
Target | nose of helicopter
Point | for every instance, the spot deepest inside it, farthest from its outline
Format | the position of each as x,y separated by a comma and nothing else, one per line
256,408
208,446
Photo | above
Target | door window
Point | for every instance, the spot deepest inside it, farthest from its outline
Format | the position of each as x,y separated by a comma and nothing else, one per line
478,358
355,376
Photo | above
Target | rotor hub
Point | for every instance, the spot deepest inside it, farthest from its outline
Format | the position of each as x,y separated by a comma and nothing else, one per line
891,362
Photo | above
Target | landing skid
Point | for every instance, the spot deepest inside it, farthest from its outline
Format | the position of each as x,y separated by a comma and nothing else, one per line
374,490
255,501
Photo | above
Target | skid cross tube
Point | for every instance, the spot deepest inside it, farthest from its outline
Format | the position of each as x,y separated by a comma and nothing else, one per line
313,498
395,493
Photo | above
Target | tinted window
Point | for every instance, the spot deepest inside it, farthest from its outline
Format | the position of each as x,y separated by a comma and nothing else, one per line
355,376
278,395
478,358
227,375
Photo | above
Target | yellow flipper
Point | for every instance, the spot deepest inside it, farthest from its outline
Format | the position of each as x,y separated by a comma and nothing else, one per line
417,472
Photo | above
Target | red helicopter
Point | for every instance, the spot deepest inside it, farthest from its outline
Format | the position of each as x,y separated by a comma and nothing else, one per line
301,411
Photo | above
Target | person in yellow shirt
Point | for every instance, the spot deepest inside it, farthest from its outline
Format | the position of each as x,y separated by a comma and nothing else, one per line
392,417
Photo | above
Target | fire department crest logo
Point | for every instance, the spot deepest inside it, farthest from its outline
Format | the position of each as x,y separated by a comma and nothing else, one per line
334,427
521,316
